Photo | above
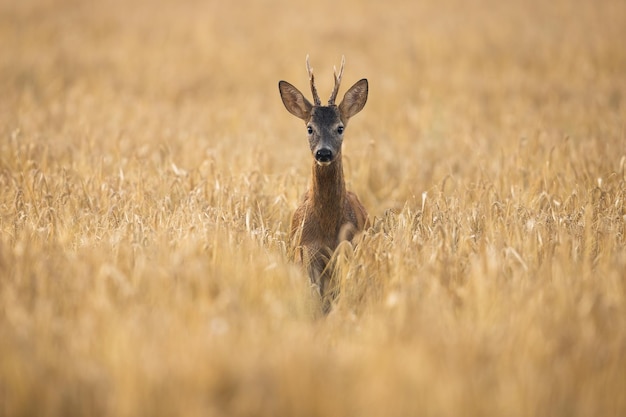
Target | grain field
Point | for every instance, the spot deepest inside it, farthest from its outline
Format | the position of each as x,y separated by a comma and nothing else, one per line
148,172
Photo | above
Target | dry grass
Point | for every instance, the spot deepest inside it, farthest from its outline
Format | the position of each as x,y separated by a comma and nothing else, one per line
148,171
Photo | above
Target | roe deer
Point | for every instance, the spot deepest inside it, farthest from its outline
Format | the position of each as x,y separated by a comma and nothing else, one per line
328,213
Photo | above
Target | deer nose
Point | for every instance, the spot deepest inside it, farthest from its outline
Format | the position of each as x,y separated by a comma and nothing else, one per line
324,155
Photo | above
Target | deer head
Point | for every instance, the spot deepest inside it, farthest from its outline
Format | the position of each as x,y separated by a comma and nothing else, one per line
325,124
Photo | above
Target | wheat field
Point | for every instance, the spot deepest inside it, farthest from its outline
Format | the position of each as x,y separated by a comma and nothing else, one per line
148,172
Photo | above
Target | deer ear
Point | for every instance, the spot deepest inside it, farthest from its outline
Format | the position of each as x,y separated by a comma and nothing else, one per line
294,101
354,100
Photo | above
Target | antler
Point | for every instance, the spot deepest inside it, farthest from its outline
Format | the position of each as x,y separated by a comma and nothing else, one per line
316,97
333,95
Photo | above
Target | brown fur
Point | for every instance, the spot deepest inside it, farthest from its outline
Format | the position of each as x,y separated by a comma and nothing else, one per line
328,214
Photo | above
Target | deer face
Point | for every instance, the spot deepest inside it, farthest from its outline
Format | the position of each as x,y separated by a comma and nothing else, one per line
325,132
325,125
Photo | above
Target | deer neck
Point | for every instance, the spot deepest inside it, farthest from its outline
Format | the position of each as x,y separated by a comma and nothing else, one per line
328,190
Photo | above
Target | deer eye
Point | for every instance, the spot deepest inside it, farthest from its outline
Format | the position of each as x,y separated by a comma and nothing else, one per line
309,130
340,130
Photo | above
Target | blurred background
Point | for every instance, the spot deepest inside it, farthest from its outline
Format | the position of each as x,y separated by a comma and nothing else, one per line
148,172
447,78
